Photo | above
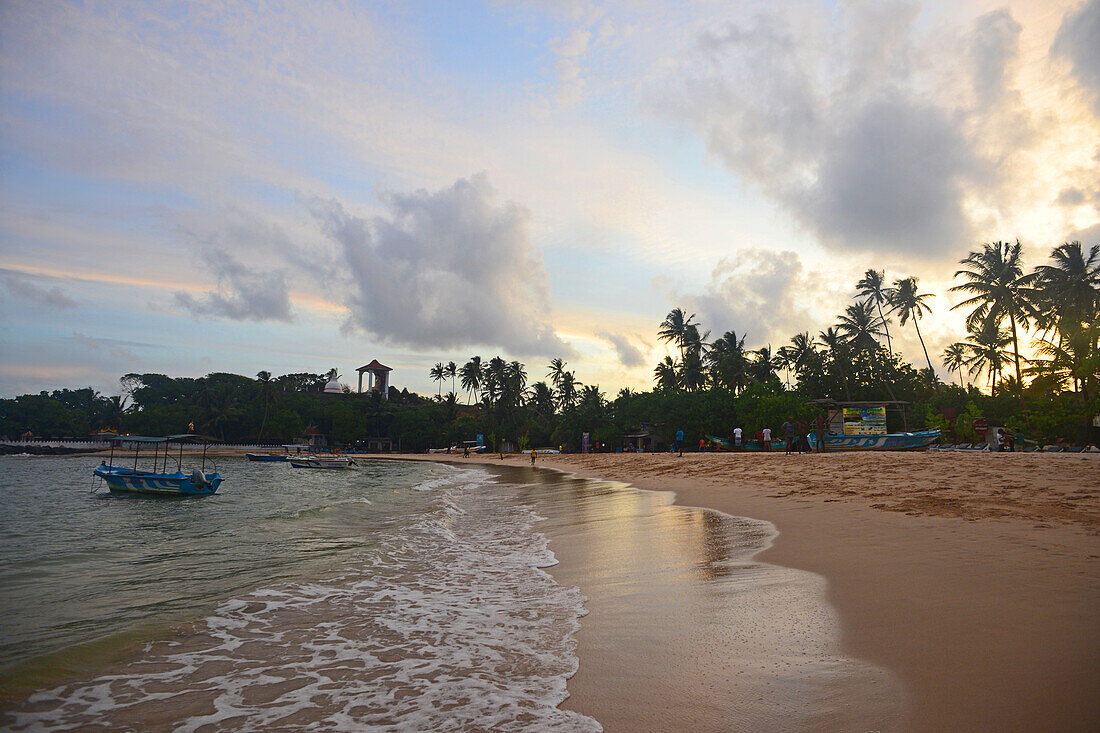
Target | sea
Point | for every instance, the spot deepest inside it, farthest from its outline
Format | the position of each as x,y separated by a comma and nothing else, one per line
396,596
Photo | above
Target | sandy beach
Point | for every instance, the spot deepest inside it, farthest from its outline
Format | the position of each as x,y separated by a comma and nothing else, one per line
974,579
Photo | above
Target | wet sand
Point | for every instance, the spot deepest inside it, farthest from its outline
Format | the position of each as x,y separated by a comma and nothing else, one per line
974,579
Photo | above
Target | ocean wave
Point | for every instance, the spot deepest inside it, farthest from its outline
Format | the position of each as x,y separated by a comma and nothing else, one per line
446,624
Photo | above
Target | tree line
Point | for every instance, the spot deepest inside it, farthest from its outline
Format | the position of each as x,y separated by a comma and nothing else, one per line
703,387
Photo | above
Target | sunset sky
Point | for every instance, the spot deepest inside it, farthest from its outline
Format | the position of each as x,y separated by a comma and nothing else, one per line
290,187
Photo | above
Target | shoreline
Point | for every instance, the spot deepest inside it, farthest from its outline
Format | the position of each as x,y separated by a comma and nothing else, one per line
978,592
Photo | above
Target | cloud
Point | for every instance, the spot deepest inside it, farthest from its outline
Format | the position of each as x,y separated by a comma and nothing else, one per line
22,292
1077,41
994,43
891,178
853,122
569,51
763,295
241,294
445,269
629,354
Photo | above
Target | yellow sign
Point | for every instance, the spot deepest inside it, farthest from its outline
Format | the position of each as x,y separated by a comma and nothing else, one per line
865,420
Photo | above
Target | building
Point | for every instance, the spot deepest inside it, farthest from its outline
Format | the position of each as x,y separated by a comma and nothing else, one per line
379,378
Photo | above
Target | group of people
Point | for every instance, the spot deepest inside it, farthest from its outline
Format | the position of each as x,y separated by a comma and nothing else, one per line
795,436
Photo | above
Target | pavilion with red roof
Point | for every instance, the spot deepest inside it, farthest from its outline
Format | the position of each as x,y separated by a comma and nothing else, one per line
379,378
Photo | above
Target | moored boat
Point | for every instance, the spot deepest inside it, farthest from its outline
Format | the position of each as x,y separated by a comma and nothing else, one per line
267,457
131,479
322,462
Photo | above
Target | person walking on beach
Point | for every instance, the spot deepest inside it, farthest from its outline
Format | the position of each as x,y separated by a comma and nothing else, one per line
802,445
737,438
534,454
465,451
766,439
820,435
788,433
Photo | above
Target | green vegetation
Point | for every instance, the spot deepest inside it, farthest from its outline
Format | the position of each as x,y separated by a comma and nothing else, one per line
702,387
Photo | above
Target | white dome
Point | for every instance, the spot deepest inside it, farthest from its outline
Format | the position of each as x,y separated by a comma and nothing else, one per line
333,387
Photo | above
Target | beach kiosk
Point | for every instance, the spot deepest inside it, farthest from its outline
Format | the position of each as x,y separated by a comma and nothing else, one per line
862,426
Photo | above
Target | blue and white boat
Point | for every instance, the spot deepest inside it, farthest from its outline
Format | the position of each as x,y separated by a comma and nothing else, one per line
891,441
132,479
862,426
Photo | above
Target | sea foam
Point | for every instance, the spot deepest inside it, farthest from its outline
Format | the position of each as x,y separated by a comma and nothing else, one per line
448,623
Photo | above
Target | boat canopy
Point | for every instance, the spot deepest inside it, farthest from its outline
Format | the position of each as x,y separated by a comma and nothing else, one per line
135,439
192,438
183,438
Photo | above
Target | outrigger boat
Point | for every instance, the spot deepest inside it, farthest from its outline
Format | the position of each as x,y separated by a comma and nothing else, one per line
315,461
272,457
177,483
268,457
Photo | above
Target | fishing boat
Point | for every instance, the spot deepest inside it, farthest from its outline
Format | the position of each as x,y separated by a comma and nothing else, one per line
920,440
852,426
750,445
267,457
131,479
316,461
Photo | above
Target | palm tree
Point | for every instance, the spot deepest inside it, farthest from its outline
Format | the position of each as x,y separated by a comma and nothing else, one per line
955,357
675,328
784,356
667,374
910,304
541,397
802,346
860,326
834,342
438,373
998,289
764,366
495,379
1075,357
516,376
692,374
451,370
1071,283
557,371
727,361
567,390
871,287
264,378
1069,296
470,373
987,351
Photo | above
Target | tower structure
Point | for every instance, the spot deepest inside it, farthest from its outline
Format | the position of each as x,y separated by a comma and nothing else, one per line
379,378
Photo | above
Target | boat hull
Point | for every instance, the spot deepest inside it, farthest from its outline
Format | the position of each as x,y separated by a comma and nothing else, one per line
889,442
126,480
265,458
330,463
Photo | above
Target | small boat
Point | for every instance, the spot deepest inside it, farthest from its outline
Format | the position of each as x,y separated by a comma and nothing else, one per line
267,457
164,483
315,461
776,444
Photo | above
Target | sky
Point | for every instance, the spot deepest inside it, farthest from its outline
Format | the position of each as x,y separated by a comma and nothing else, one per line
292,187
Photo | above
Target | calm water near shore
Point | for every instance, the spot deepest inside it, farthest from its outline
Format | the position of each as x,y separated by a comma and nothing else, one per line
400,595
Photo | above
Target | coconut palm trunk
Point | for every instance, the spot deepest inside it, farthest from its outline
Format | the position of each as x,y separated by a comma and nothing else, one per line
926,357
1016,354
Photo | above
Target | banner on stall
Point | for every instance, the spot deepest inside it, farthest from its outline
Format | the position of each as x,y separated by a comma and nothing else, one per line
865,420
